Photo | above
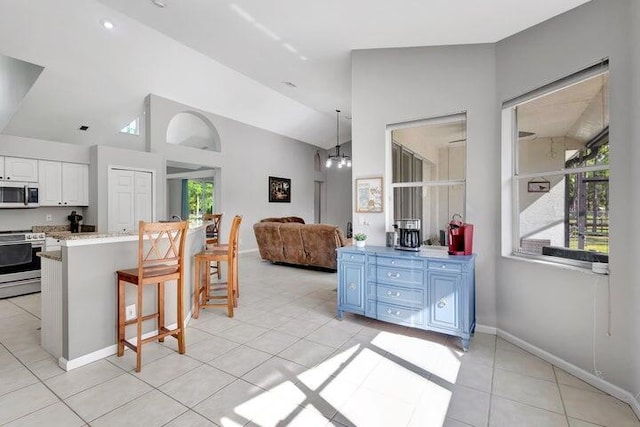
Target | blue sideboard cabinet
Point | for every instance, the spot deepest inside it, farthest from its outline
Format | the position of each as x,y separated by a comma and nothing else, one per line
427,290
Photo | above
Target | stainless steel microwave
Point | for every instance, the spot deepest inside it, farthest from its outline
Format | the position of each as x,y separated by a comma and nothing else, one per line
18,195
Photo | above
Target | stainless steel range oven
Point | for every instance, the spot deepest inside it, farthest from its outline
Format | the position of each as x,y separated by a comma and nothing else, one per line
19,263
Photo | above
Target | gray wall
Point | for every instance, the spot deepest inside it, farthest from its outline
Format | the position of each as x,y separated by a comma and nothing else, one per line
339,193
22,219
248,157
545,305
398,85
16,78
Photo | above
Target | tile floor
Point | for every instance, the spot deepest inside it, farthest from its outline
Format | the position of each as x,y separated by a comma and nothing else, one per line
285,360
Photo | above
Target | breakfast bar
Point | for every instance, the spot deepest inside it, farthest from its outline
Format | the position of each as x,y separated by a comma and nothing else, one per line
79,292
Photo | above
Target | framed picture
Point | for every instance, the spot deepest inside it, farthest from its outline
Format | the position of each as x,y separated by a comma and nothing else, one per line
279,190
540,186
369,194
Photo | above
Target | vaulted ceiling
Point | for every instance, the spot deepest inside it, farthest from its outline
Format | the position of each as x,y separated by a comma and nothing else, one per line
230,58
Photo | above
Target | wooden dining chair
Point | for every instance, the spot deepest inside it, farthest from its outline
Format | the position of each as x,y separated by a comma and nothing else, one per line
160,259
207,293
212,238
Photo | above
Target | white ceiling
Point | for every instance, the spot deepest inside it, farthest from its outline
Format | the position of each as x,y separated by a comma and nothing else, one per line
228,58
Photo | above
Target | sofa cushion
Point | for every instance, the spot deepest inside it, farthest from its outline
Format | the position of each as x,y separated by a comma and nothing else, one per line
320,243
269,241
294,250
284,219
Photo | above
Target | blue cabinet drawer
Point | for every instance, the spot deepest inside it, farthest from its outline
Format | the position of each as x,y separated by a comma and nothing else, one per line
348,256
452,266
400,315
399,276
402,296
400,262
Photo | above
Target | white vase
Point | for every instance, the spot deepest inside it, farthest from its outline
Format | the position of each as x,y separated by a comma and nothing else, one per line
360,243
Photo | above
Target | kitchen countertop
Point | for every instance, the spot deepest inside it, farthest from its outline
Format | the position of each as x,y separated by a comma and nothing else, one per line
54,255
67,235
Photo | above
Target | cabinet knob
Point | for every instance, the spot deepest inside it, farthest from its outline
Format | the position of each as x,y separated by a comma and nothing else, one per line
351,256
442,303
393,312
393,275
393,261
393,294
352,286
443,266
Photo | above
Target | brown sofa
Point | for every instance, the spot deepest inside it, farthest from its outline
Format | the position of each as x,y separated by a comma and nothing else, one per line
293,242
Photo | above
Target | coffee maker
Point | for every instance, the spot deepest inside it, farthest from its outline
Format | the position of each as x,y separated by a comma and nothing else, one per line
409,234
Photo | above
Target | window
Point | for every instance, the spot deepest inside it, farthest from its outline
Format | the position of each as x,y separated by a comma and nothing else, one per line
428,163
132,128
560,172
199,198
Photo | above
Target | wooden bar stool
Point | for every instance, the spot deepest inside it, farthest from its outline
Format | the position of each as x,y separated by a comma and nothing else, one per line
204,289
160,259
213,237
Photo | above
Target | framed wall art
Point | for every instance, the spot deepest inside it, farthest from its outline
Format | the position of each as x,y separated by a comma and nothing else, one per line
279,190
369,195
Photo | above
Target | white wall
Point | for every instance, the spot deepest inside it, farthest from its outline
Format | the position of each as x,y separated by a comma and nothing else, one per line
399,85
546,305
16,78
339,192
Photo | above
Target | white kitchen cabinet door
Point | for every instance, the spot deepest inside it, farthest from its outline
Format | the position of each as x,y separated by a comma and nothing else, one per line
130,199
50,178
75,184
19,169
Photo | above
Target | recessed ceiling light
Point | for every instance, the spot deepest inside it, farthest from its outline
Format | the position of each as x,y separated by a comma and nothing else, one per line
159,3
290,84
107,24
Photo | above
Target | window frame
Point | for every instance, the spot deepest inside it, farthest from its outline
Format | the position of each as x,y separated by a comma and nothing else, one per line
510,162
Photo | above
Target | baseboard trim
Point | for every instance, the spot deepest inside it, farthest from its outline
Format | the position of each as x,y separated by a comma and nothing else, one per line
484,329
246,251
574,370
68,365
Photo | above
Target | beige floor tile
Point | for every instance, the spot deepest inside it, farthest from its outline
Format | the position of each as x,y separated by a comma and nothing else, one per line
164,370
150,352
240,360
8,309
97,401
307,416
82,378
307,353
56,415
579,423
271,320
46,368
532,391
25,401
567,379
298,327
190,419
15,379
507,413
475,375
469,406
272,342
432,407
388,377
273,372
597,408
503,344
525,364
331,337
371,409
210,348
151,409
216,324
242,333
192,336
197,385
450,422
234,405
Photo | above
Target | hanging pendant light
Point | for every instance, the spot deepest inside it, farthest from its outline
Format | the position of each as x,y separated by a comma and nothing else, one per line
341,160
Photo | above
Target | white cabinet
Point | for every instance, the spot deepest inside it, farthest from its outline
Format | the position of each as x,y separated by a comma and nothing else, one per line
63,184
51,244
19,169
130,199
1,167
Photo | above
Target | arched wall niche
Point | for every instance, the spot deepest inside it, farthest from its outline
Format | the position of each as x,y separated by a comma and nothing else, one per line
192,129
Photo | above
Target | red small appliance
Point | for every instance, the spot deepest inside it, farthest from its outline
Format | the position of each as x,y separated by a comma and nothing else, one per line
460,236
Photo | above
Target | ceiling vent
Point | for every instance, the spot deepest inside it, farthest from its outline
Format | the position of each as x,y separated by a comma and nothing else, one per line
84,128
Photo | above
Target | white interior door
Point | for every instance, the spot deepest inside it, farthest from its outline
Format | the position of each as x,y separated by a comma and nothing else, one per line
143,204
121,200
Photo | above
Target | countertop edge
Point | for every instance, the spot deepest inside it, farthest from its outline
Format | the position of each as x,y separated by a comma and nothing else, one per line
53,255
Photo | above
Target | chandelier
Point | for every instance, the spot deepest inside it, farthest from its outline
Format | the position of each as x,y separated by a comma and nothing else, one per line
338,159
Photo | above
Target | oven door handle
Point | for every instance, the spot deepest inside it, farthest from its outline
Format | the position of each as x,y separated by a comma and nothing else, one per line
26,195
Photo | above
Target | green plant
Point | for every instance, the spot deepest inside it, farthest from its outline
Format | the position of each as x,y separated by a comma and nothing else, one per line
359,236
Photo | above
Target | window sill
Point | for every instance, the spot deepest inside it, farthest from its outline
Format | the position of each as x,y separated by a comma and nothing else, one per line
580,266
